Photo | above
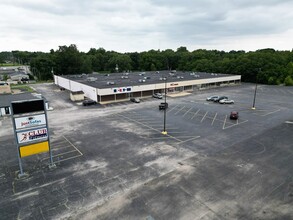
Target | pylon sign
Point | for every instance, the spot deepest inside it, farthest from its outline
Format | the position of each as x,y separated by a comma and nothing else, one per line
30,123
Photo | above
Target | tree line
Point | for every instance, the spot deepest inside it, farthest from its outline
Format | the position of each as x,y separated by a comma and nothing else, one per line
267,66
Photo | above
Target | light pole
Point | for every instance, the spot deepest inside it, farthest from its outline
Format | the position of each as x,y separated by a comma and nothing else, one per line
165,109
253,105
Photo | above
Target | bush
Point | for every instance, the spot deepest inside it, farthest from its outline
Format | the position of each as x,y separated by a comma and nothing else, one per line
288,81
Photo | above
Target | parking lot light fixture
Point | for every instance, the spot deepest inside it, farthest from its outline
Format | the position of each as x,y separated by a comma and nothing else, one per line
164,131
253,105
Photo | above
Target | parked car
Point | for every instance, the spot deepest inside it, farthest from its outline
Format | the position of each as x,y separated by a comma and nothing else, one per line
226,101
234,115
88,102
220,98
158,95
135,100
212,98
163,106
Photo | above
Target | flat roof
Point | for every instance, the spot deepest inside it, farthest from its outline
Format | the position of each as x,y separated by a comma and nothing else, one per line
6,99
100,80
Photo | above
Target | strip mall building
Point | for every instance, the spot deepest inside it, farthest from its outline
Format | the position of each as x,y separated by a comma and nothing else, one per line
107,88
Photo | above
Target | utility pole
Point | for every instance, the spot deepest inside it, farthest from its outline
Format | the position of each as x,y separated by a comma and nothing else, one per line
165,109
253,105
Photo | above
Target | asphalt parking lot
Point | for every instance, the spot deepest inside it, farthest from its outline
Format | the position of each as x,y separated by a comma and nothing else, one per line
114,163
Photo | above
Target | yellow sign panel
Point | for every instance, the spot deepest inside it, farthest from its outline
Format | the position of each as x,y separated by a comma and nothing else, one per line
34,149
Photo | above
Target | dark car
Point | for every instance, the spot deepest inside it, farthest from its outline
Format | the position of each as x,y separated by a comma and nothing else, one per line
88,102
234,115
163,106
220,98
135,100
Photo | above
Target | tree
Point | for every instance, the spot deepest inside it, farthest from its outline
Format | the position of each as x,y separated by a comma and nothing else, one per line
42,66
68,60
5,77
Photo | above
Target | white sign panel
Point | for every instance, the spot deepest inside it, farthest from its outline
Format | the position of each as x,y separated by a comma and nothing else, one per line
32,135
30,121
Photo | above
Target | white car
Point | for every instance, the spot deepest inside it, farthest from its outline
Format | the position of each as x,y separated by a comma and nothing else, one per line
158,95
226,101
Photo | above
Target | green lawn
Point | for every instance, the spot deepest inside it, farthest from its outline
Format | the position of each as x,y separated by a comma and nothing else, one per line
9,64
22,88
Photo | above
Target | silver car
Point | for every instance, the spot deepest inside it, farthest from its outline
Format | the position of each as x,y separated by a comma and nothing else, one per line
158,95
212,98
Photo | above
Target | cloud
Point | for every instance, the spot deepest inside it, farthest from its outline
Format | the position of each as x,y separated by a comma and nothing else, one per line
124,25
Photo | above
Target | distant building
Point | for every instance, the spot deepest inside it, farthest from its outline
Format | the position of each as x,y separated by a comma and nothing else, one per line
18,76
106,88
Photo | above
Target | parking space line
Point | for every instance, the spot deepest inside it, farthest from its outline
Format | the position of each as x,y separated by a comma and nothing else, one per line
67,152
72,145
196,137
235,124
204,116
179,110
177,132
60,148
172,108
187,112
284,92
186,136
214,118
157,138
271,112
60,154
69,158
145,120
290,92
225,122
130,119
195,114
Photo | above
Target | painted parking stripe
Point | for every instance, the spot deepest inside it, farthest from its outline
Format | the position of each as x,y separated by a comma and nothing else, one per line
282,91
179,110
130,119
204,116
64,153
187,111
172,108
225,122
271,112
193,138
235,124
214,118
195,114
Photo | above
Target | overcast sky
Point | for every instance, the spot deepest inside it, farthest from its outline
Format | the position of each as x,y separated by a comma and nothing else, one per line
142,25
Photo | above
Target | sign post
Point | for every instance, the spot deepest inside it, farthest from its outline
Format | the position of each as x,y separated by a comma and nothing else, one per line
30,124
